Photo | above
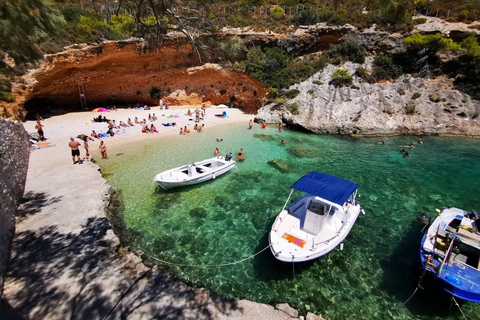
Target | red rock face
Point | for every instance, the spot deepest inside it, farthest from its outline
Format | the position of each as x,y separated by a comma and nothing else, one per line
119,74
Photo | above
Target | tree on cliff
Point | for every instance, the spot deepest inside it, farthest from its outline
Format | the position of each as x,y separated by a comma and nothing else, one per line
23,23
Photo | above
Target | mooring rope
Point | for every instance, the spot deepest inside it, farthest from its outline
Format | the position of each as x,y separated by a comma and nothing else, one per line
458,306
178,265
419,284
209,265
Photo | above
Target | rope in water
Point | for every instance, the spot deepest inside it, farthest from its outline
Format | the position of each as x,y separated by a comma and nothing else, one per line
458,306
209,265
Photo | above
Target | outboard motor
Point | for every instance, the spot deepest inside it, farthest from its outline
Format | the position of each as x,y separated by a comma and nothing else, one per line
473,215
423,218
228,156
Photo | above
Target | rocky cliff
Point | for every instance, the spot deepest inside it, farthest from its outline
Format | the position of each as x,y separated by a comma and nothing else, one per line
408,105
124,73
14,156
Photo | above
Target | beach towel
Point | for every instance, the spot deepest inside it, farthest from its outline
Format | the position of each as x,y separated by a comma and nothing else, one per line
293,239
103,135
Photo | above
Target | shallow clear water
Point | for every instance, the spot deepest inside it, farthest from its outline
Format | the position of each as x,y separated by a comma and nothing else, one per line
228,219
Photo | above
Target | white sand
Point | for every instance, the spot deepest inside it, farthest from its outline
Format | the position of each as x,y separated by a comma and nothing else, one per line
59,129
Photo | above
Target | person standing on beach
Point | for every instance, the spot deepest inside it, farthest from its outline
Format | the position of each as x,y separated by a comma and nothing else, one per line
280,127
39,127
197,115
250,124
75,151
85,145
103,150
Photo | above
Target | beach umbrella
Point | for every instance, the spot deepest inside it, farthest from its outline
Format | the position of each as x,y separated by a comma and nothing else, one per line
100,110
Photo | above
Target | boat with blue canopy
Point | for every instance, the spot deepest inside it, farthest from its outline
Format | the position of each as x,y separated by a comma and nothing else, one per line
450,251
317,222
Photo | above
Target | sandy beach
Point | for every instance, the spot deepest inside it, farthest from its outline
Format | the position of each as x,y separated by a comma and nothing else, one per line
65,261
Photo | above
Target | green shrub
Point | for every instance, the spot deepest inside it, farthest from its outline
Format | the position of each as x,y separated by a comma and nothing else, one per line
362,73
401,91
385,68
274,92
305,18
434,98
470,45
410,109
419,20
232,48
277,13
341,78
5,83
348,51
290,94
416,95
237,21
293,108
73,14
6,96
432,43
90,29
464,14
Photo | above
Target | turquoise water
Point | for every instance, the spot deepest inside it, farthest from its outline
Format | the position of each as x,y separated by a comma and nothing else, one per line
228,219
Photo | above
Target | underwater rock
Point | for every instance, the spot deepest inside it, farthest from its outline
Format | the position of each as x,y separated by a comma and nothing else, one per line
198,212
264,137
302,152
280,165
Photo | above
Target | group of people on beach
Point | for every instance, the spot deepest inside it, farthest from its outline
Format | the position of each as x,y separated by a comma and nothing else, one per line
75,149
117,128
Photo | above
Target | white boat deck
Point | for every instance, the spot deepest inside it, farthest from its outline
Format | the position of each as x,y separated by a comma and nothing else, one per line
312,226
194,173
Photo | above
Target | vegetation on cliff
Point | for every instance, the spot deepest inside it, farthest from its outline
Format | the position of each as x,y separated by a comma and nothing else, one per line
33,27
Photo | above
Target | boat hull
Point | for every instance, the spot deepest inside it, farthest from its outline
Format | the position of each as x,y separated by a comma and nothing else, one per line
195,173
453,263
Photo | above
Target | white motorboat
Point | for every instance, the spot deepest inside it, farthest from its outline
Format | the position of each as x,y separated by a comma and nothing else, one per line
194,173
315,224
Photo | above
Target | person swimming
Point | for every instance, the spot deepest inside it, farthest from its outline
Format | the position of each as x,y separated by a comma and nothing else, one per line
240,155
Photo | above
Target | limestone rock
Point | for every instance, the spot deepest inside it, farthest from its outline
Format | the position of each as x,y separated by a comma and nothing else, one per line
287,309
311,316
408,105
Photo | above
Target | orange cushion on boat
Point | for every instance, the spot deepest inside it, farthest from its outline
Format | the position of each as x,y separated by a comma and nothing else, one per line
293,239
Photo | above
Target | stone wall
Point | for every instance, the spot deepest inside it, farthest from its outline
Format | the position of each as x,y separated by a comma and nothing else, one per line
14,156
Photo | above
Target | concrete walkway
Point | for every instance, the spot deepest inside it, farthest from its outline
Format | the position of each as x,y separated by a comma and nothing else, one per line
64,263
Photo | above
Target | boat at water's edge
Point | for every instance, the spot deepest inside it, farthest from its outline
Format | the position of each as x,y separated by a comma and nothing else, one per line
450,251
315,224
194,173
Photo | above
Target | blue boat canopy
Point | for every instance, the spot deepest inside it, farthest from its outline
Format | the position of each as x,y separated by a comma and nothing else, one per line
336,190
